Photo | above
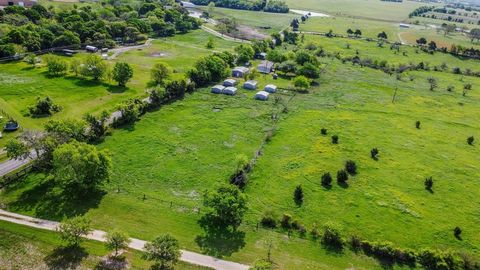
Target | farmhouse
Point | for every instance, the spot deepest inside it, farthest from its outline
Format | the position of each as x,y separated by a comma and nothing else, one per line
230,91
22,3
262,95
265,66
250,85
270,88
218,89
240,72
229,82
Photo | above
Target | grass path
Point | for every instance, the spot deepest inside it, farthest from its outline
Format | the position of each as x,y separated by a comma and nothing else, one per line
136,244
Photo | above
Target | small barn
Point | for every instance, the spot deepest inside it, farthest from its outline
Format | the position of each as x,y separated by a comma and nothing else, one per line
250,85
91,49
231,91
265,66
218,89
262,95
270,88
240,72
229,82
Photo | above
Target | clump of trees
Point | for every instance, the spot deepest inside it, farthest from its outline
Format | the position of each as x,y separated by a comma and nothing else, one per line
209,69
44,107
276,6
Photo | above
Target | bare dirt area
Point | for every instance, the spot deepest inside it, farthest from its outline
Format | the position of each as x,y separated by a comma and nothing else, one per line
249,33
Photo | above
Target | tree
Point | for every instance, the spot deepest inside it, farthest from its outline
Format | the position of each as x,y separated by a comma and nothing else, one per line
351,167
309,70
94,67
448,28
298,195
457,232
421,41
332,236
81,167
358,33
159,73
429,183
350,32
211,9
16,149
225,207
72,230
116,240
326,179
433,83
44,107
432,46
342,177
470,140
75,66
301,82
335,139
418,124
466,87
122,73
210,43
474,34
382,35
55,65
262,265
164,250
374,153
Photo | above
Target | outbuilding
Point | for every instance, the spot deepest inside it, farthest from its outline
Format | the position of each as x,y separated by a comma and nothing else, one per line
91,49
229,82
218,89
270,88
231,91
240,72
262,95
265,67
250,85
261,56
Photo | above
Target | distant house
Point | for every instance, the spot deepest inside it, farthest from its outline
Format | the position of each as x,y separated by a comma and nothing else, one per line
91,49
250,85
186,4
22,3
240,72
270,88
404,25
229,82
265,67
262,95
231,91
218,89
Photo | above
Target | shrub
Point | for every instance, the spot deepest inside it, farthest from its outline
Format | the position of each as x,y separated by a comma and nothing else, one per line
44,106
302,230
355,243
326,179
429,183
286,222
298,195
450,88
301,82
296,224
374,153
323,131
470,140
417,124
314,232
457,231
342,177
269,220
335,139
332,236
55,66
351,167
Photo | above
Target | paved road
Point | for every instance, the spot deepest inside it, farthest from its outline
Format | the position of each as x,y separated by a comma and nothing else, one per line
14,164
120,50
137,244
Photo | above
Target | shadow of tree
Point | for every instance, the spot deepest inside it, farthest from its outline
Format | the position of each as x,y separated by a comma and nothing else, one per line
112,264
65,257
49,202
218,241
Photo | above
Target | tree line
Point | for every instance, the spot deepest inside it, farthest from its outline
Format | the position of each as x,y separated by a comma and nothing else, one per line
276,6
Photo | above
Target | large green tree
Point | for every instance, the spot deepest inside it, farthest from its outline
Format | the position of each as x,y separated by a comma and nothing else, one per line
122,73
225,207
73,230
164,251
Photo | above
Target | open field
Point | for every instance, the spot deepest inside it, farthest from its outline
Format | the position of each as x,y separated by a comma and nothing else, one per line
27,248
371,9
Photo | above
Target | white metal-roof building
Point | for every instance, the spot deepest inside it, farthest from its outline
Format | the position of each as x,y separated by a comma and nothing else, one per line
265,67
229,82
240,72
230,91
250,85
218,89
270,88
262,95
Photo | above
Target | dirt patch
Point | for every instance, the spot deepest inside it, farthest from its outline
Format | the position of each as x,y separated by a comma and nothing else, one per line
158,54
247,32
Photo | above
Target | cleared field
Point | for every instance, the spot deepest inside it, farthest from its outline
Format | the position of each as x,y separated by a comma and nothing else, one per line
371,9
27,248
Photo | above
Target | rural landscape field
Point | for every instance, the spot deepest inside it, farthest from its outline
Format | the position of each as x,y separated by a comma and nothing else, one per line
240,134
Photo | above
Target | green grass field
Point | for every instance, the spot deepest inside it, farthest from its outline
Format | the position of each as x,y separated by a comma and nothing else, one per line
22,247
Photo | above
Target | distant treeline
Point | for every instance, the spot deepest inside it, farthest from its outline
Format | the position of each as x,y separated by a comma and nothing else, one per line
276,6
399,1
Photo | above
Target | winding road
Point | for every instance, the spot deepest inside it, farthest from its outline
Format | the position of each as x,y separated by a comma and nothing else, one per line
137,244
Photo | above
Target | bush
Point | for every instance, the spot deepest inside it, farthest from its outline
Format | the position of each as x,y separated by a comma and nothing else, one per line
269,220
342,177
298,195
470,140
286,222
55,66
429,183
326,179
335,139
417,124
44,106
374,153
301,82
351,167
323,131
314,232
457,231
355,243
332,237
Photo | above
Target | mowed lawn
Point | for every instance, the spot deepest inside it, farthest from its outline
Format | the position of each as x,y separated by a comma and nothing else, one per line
23,247
386,200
